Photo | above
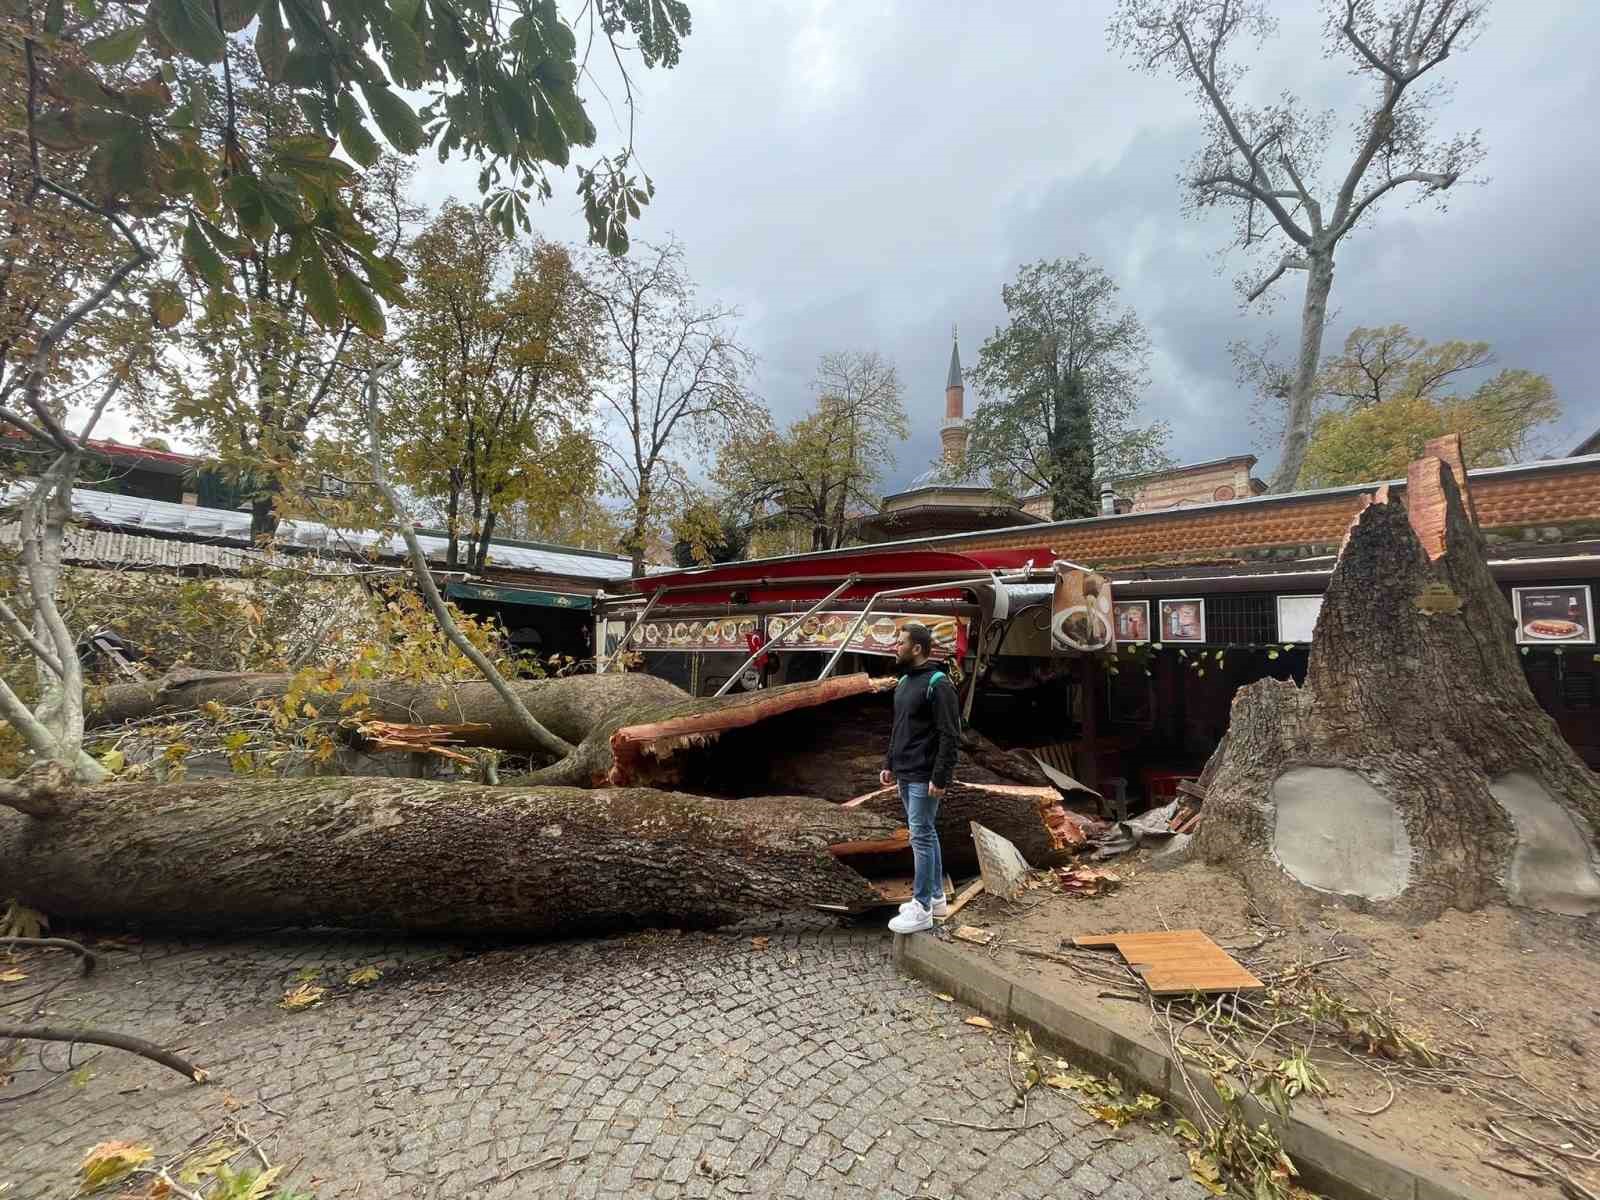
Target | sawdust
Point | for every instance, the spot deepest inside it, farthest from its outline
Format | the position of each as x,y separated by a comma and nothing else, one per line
1504,988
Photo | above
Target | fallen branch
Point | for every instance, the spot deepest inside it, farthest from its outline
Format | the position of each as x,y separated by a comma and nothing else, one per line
99,1037
29,943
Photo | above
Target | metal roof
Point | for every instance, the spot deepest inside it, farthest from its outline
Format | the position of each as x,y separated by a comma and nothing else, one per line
162,516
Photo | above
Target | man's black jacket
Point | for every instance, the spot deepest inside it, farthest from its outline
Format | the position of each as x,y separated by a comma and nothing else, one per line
927,730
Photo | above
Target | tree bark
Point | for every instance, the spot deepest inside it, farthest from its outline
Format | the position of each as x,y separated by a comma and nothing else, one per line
434,858
1031,819
1303,390
1414,771
569,707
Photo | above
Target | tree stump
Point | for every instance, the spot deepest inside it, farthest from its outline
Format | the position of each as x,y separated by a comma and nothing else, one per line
1414,771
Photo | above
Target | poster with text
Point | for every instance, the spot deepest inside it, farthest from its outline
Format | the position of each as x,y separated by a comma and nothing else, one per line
1554,614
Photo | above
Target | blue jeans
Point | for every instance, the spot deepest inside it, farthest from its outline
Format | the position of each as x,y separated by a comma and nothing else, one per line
921,812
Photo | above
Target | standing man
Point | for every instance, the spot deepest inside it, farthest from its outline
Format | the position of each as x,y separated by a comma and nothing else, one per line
922,754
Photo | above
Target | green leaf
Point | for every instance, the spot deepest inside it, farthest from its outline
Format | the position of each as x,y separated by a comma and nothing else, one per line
242,194
166,305
1272,654
354,136
360,305
190,26
395,117
322,297
272,42
406,56
87,9
236,14
202,256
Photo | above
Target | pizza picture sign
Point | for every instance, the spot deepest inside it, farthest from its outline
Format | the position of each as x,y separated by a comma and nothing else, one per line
1554,615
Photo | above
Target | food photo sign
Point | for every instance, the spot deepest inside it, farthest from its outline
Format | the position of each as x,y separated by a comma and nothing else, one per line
1554,614
727,633
827,631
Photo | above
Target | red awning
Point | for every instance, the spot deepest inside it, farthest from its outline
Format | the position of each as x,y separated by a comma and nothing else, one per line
810,577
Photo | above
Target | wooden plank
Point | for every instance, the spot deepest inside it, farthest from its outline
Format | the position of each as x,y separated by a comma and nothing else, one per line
1176,962
960,902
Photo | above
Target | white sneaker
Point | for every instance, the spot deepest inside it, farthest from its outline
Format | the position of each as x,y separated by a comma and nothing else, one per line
913,920
941,906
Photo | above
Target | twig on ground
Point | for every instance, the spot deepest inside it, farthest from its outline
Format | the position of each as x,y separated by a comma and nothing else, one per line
1382,1108
100,1037
27,943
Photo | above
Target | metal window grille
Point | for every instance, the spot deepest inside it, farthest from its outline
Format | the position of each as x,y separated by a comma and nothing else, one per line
1241,620
1577,690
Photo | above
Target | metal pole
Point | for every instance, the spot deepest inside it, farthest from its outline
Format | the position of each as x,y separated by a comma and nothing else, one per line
850,581
628,635
907,591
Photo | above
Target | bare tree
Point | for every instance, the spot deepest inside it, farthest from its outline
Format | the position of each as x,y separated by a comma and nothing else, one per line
672,387
1265,164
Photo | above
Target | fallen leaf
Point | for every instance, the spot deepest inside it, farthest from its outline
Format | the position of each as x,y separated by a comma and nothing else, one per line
261,1184
206,1162
759,943
945,996
363,975
12,976
303,996
231,1103
110,1161
1074,1081
979,1022
971,933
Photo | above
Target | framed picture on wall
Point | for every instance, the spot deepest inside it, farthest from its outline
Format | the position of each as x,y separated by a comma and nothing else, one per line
1130,620
1182,621
1297,617
1554,614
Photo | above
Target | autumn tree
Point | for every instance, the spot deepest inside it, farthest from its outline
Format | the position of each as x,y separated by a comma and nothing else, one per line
672,385
1060,384
1389,393
1268,164
828,465
500,339
255,372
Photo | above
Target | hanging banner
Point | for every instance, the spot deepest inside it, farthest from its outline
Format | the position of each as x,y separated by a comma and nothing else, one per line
827,630
732,634
1080,612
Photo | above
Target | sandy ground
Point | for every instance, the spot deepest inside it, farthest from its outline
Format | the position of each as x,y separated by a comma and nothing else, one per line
1514,995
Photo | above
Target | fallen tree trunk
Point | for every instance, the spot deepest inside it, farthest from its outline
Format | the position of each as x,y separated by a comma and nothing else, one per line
1031,819
1414,771
569,707
425,857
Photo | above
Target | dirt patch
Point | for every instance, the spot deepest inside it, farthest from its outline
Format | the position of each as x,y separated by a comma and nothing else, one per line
1509,999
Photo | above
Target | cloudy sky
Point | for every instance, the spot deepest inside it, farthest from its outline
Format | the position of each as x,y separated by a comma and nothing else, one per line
864,175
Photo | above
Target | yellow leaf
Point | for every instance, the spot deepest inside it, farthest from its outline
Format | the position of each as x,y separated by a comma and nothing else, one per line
110,1161
1206,1173
979,1022
212,1157
213,710
1071,1080
945,996
363,975
308,709
114,761
260,1185
303,996
12,976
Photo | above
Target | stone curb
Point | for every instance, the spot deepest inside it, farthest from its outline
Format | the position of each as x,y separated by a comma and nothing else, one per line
1342,1166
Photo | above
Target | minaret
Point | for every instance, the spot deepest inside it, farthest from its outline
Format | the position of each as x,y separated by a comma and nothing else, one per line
953,432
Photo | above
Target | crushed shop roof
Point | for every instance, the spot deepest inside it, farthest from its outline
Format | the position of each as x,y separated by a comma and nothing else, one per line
162,517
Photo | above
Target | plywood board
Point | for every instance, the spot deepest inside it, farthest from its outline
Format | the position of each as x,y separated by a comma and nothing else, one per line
1176,962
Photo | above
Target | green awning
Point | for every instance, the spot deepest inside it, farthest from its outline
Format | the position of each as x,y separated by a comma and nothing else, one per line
506,595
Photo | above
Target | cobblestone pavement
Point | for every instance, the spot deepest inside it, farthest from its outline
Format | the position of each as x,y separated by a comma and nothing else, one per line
663,1065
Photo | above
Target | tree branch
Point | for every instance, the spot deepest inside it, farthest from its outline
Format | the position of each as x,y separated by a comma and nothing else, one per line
100,1037
541,737
14,626
1435,180
31,943
1289,262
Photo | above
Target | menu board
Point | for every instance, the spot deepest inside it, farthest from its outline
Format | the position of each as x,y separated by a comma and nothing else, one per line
724,633
1554,614
827,630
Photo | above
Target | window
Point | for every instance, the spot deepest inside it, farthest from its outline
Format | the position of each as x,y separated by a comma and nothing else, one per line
1249,619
